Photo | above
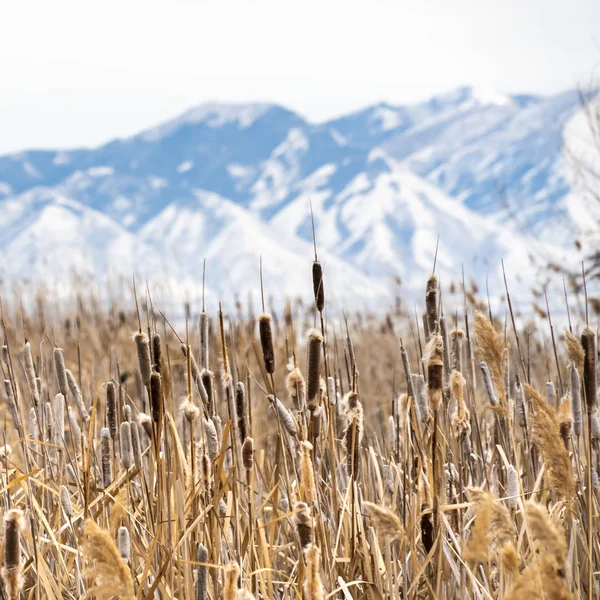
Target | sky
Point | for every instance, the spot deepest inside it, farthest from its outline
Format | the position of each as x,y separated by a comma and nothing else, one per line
78,73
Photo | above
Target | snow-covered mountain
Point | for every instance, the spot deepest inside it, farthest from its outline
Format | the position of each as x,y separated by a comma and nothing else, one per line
486,171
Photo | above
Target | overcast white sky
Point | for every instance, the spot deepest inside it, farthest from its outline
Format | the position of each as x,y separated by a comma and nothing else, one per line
79,72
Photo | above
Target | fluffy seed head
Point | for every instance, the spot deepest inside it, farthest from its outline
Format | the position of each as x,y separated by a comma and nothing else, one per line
248,454
142,346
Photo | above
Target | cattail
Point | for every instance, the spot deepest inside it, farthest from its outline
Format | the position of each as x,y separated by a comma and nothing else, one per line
248,454
126,445
61,374
240,409
212,440
202,557
391,432
307,475
65,501
143,353
315,341
156,398
576,399
461,417
146,422
304,524
489,384
190,411
136,446
204,340
457,338
313,586
127,413
427,527
5,356
50,423
30,373
317,277
111,409
353,435
520,405
296,388
433,359
33,428
266,342
550,392
222,509
595,425
232,572
595,482
331,393
58,411
431,304
76,395
106,457
124,543
207,382
316,418
12,405
421,402
512,487
286,418
156,351
74,429
588,342
11,573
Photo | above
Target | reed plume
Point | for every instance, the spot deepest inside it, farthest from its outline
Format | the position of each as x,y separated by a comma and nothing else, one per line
313,585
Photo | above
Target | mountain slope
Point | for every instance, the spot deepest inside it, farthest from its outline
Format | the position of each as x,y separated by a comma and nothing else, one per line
485,171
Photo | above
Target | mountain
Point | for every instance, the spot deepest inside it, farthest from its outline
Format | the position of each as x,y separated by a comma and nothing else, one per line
488,172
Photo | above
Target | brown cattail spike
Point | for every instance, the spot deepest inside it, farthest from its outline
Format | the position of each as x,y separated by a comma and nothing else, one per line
156,398
266,341
143,353
317,276
588,342
11,573
240,409
315,341
248,454
111,409
431,294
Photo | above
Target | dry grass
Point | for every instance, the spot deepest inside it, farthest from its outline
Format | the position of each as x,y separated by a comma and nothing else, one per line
294,456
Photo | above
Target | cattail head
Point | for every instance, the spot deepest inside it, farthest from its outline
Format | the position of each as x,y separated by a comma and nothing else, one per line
124,543
512,487
156,398
156,351
106,457
433,357
111,409
58,410
11,573
296,388
248,454
240,409
30,373
65,501
61,373
315,342
304,523
142,346
146,422
317,277
212,440
76,395
431,293
136,446
284,415
266,342
201,557
126,445
588,343
489,384
565,419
